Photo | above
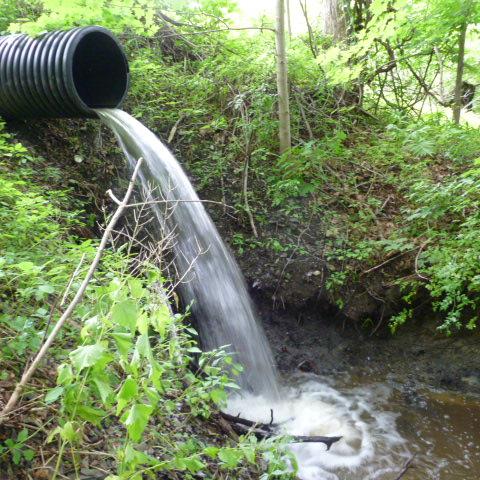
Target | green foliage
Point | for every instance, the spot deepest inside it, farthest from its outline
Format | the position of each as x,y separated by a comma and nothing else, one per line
17,448
38,253
445,214
119,16
127,364
301,171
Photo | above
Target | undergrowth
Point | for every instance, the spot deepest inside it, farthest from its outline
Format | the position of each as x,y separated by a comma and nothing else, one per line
379,185
126,390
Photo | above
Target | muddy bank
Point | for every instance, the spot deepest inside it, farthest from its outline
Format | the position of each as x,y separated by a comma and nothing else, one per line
306,340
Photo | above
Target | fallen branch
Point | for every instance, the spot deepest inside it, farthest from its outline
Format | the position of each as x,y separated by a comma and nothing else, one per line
405,467
328,441
28,373
248,423
262,431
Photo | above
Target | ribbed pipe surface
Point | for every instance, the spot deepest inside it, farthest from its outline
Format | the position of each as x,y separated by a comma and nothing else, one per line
62,73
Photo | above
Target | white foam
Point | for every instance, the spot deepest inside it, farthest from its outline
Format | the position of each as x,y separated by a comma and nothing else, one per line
370,444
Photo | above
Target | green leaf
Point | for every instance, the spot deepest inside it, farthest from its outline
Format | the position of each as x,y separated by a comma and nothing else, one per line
123,341
143,346
28,454
212,452
231,457
87,356
70,432
125,314
249,453
128,392
104,389
136,288
22,436
136,420
65,374
53,395
160,319
194,350
89,326
91,414
193,464
218,396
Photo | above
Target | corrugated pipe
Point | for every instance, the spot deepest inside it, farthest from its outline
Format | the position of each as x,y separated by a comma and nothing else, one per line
62,73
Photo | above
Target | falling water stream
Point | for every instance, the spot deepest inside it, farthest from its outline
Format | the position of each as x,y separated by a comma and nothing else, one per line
372,446
212,281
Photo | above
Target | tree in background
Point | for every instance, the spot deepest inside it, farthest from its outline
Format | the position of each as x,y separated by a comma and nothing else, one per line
404,52
333,17
282,81
465,19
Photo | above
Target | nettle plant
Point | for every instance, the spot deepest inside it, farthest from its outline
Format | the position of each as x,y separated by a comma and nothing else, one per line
138,364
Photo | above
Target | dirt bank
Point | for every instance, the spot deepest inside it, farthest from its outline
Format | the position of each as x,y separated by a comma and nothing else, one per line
417,356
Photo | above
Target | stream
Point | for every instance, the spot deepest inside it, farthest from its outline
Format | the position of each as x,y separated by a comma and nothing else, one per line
381,429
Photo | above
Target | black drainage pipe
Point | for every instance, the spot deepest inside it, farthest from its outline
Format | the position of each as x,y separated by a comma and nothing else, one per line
62,73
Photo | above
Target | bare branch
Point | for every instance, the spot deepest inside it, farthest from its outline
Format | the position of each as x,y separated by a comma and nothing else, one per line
28,373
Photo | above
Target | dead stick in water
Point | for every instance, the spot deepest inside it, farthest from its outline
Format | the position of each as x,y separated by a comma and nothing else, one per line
246,422
263,430
328,441
406,467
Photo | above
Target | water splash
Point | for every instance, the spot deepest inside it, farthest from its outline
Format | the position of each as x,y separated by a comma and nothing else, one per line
213,282
370,447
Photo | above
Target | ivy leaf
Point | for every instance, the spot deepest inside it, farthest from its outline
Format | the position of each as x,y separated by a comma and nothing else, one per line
87,356
136,420
125,314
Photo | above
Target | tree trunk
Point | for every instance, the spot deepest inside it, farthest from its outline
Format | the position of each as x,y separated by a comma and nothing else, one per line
334,19
457,101
282,81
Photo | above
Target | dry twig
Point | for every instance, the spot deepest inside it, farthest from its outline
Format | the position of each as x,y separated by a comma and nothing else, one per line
28,373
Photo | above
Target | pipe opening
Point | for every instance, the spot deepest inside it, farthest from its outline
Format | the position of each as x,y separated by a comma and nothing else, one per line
100,71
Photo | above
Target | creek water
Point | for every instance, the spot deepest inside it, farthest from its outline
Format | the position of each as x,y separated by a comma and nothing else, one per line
381,429
379,432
